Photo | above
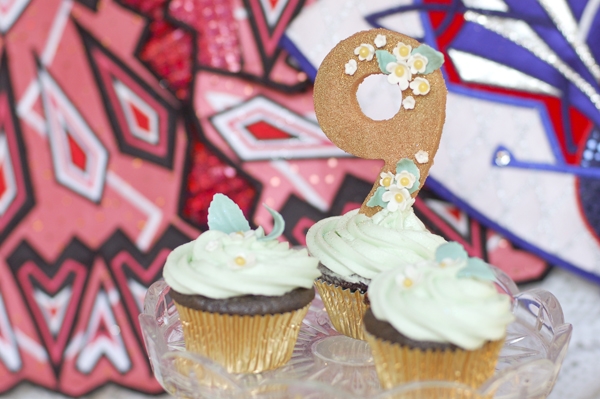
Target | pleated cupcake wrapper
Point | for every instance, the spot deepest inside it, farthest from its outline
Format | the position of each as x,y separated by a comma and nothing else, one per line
398,364
242,344
344,307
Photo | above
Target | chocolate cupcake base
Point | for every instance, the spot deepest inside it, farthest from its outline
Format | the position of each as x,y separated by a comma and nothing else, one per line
385,331
247,304
330,277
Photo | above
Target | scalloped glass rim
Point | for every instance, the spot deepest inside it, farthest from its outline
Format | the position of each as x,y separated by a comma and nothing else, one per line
535,347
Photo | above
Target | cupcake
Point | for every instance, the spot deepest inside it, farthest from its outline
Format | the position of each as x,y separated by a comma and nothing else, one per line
437,320
354,248
241,295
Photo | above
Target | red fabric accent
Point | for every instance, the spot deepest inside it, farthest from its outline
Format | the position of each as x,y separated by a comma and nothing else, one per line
454,212
168,53
141,119
210,175
581,127
265,131
2,181
78,156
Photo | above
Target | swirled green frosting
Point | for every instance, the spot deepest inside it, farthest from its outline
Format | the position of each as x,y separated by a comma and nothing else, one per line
355,245
219,265
428,302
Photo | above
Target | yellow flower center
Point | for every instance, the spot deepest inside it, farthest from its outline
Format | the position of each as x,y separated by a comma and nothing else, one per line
399,71
407,282
240,261
403,51
405,181
423,87
399,198
363,52
387,181
418,64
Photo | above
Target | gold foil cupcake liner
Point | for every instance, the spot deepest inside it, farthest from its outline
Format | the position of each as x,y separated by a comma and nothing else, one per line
344,307
242,344
398,364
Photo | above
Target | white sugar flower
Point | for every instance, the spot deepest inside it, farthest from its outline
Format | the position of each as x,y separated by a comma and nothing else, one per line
420,86
397,198
387,179
380,41
417,63
408,102
405,179
365,52
242,260
399,74
212,245
240,235
448,262
422,156
402,51
351,67
408,278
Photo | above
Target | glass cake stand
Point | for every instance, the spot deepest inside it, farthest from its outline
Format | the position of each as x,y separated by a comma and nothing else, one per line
328,365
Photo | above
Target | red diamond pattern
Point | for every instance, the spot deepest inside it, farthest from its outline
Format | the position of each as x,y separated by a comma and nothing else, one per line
265,131
78,157
141,119
2,181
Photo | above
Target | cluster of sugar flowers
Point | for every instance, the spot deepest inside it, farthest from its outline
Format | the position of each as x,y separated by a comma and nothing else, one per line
395,189
449,255
401,66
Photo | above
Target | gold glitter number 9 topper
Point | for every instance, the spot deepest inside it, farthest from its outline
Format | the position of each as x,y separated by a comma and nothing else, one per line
413,133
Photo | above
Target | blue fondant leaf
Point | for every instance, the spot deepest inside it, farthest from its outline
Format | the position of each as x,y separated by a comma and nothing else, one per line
384,58
434,57
376,199
478,269
278,225
224,215
409,166
450,250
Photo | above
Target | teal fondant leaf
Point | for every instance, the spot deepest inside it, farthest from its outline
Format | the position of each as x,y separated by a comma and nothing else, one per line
435,59
376,199
224,215
278,225
477,268
450,250
409,166
384,58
